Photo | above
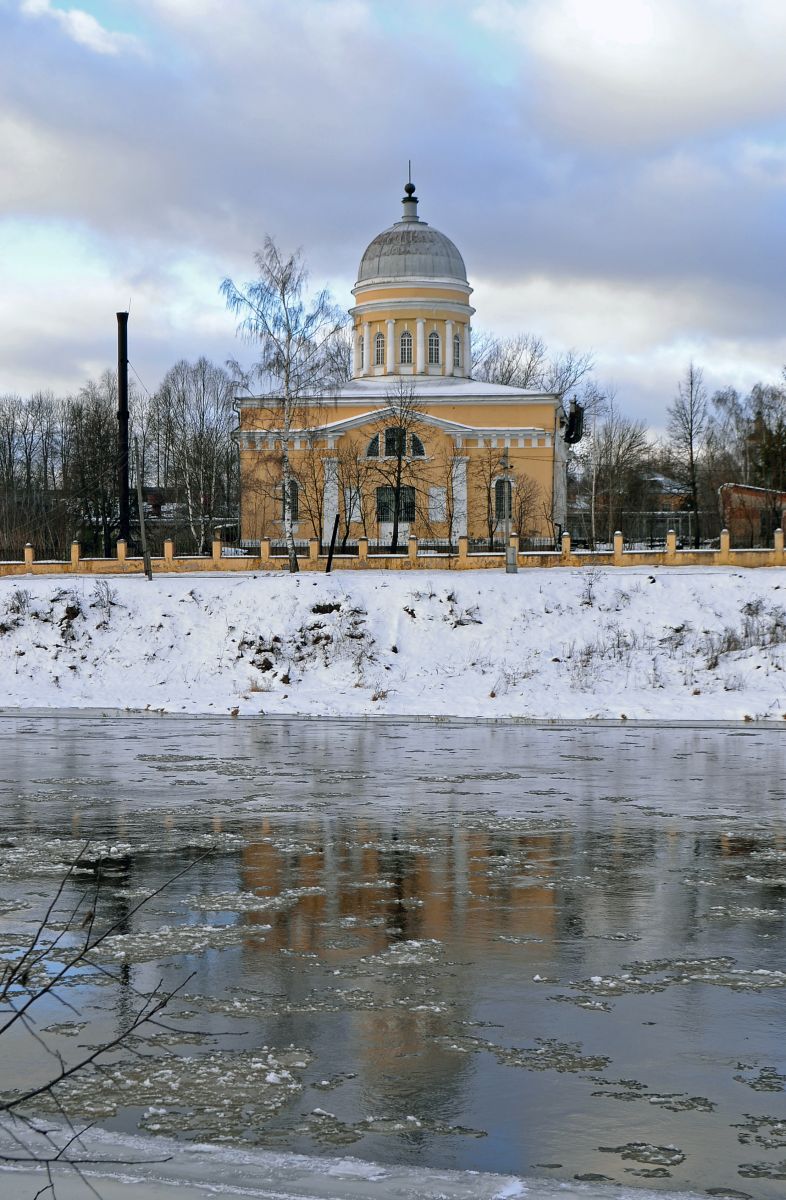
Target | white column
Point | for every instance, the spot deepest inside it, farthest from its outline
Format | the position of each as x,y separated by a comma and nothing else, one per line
420,359
459,472
329,498
391,347
368,366
467,351
448,348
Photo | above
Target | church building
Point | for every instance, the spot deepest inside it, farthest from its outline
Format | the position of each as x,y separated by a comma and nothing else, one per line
411,444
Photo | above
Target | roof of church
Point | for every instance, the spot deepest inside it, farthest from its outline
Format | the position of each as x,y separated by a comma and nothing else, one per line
430,388
438,387
411,249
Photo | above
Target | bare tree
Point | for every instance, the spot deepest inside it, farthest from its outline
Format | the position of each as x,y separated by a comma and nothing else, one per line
63,944
687,428
353,472
527,504
397,456
90,470
485,469
446,506
195,401
299,349
517,361
523,361
309,474
609,462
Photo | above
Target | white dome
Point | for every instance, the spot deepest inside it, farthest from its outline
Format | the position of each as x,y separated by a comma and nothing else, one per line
411,249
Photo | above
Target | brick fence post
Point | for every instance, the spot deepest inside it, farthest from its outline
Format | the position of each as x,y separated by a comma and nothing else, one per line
121,551
216,551
362,549
29,556
313,549
264,551
463,548
725,547
412,550
76,554
565,548
778,547
169,551
618,549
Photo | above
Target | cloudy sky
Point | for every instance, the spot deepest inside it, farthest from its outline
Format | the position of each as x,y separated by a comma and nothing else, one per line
613,171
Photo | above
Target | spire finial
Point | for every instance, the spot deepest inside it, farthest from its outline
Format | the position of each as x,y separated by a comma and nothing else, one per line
410,200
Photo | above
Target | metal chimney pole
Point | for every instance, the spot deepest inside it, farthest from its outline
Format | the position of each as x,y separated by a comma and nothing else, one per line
122,421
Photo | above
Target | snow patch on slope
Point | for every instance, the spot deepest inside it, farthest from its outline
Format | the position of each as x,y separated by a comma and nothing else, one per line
677,644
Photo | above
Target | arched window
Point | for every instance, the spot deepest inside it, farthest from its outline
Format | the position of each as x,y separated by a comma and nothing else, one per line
433,348
362,351
293,501
456,350
406,348
503,496
379,350
395,441
373,447
417,447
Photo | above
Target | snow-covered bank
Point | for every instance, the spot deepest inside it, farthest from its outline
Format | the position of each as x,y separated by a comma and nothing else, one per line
153,1169
680,644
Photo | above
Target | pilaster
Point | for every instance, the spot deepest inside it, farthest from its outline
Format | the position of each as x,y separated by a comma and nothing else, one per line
329,498
420,339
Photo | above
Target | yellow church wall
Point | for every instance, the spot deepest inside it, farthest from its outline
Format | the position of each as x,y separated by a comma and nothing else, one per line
396,294
531,470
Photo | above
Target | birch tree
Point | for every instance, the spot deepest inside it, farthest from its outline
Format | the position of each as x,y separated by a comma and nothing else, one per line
299,340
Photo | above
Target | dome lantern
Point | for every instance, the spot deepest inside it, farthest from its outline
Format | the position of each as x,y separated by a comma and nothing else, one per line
409,203
412,312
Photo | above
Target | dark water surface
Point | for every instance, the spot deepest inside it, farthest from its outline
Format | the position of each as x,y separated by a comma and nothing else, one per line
550,951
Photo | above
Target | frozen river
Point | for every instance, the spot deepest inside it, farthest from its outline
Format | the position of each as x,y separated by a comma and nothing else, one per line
554,953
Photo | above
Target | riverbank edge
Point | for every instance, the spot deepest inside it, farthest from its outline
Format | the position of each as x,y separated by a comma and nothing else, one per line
388,719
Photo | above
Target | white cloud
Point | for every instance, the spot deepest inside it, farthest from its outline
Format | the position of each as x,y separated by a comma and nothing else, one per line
73,284
634,71
643,334
83,28
297,120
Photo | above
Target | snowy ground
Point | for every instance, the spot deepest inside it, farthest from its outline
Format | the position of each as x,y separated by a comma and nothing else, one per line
679,644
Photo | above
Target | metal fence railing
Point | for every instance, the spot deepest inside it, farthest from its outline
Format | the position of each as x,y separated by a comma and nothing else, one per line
44,552
436,546
279,549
